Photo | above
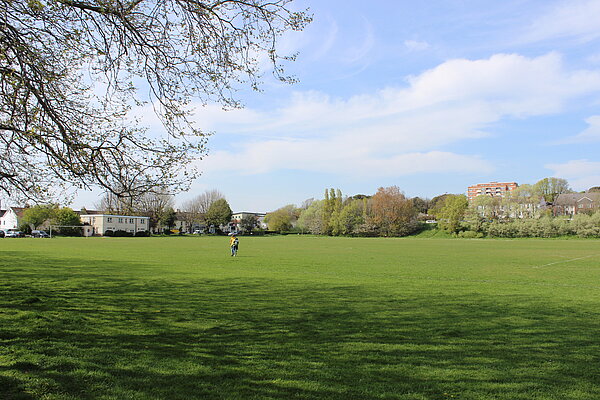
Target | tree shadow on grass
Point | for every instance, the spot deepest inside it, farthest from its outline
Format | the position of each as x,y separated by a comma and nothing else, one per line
117,337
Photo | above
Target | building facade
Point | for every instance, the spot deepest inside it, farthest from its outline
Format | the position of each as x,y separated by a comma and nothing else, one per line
570,204
11,218
236,218
98,224
494,189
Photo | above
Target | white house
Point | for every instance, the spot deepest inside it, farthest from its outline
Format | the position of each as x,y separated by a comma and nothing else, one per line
98,224
11,218
237,217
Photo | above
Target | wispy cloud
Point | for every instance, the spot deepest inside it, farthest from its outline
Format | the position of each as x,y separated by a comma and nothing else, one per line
577,19
581,174
588,135
398,131
416,45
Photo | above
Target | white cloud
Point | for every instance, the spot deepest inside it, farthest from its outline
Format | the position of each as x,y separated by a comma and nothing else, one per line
588,135
581,174
397,130
416,45
570,19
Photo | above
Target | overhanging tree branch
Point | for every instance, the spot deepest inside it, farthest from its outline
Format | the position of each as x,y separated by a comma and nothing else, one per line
59,127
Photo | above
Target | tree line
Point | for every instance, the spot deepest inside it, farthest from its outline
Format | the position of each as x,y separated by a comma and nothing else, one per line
525,211
386,213
208,208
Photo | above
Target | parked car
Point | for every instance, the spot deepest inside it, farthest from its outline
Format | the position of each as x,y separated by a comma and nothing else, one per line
39,234
13,233
197,232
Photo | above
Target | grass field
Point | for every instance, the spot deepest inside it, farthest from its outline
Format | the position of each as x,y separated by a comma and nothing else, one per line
299,317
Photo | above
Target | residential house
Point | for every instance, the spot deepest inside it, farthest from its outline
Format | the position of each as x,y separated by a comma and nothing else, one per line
574,203
11,218
98,224
237,217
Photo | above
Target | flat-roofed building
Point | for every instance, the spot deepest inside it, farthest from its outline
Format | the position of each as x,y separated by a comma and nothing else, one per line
237,217
98,224
494,189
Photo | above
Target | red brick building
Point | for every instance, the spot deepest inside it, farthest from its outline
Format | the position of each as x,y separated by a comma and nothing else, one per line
493,189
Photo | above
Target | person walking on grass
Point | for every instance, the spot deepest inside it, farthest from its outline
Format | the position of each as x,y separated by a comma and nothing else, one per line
233,243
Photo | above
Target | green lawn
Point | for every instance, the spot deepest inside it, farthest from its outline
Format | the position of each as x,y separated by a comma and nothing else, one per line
299,317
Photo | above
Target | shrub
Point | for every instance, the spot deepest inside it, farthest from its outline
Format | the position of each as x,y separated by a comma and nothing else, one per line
122,233
25,229
109,233
470,235
142,234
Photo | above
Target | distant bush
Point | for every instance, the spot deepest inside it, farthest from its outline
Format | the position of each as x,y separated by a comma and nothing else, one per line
122,233
109,233
470,235
25,229
142,234
582,225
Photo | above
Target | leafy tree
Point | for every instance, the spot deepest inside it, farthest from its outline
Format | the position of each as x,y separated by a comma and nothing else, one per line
436,203
70,72
550,188
421,205
219,213
522,202
452,212
487,206
37,215
195,209
67,218
248,223
281,219
332,206
392,213
595,189
350,218
168,217
311,219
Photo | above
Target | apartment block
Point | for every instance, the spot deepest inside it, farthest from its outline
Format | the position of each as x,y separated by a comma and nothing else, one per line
494,189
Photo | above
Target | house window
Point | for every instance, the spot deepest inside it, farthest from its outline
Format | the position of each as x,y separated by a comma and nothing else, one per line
120,220
142,222
131,220
109,219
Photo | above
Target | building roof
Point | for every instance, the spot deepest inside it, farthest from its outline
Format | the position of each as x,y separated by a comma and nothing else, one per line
89,212
19,211
572,198
114,215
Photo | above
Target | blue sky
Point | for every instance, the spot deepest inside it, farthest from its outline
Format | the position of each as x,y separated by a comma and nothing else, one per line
429,96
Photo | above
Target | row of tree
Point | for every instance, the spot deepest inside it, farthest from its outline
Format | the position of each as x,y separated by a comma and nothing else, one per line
390,213
208,208
386,213
63,218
